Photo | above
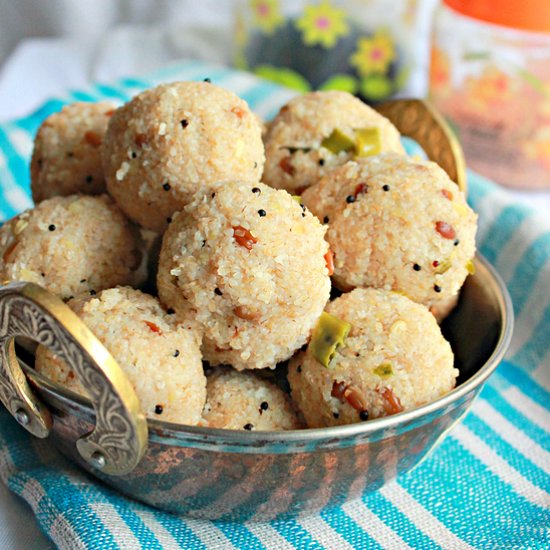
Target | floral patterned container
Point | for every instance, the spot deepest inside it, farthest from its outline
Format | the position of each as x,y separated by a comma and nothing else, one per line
366,47
490,76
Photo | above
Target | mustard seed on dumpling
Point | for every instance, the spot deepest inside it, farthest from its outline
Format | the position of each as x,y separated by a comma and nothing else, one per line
243,401
398,224
247,262
71,245
66,157
173,140
394,358
318,131
160,357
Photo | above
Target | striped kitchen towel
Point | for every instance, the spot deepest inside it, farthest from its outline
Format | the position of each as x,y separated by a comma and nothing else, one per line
486,486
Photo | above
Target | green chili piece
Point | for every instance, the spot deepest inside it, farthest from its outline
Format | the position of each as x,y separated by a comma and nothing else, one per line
328,335
338,142
367,142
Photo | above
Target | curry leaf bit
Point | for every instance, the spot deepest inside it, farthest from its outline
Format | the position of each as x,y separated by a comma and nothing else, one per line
385,370
293,150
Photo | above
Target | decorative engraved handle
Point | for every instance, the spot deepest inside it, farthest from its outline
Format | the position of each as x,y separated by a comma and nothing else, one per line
420,121
118,441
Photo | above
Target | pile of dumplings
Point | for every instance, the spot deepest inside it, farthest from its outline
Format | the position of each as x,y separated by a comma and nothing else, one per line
246,275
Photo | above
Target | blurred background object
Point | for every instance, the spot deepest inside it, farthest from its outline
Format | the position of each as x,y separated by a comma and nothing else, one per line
373,48
490,76
490,66
49,46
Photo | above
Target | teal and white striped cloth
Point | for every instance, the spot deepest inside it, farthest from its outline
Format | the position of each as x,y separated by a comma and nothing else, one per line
486,486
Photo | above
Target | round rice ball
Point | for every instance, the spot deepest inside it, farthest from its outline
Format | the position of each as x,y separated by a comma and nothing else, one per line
170,141
66,157
160,357
71,245
397,224
243,401
394,358
247,262
295,157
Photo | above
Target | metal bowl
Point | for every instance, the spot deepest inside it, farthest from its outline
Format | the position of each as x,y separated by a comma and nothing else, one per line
240,475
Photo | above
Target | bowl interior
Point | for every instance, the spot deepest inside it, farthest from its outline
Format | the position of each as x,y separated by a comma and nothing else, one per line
475,326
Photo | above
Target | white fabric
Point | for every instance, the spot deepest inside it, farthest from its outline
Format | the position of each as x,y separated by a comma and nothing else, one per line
18,528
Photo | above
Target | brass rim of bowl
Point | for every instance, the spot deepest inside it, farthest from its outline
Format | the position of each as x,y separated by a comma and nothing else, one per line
160,430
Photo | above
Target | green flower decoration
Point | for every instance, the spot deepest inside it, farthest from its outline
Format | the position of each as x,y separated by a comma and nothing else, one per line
342,82
322,24
373,55
376,87
267,14
285,77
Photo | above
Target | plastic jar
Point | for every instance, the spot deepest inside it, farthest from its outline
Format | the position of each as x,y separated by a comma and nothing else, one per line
490,76
367,47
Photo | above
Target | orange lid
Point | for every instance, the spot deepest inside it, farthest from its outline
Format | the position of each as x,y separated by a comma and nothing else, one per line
529,15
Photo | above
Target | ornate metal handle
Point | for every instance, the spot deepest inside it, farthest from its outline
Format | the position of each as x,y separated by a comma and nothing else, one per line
420,121
119,439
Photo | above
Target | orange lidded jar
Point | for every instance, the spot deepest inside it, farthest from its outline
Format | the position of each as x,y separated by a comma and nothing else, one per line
490,76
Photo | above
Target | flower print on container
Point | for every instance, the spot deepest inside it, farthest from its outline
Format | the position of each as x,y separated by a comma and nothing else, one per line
492,87
322,24
285,77
267,15
374,54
